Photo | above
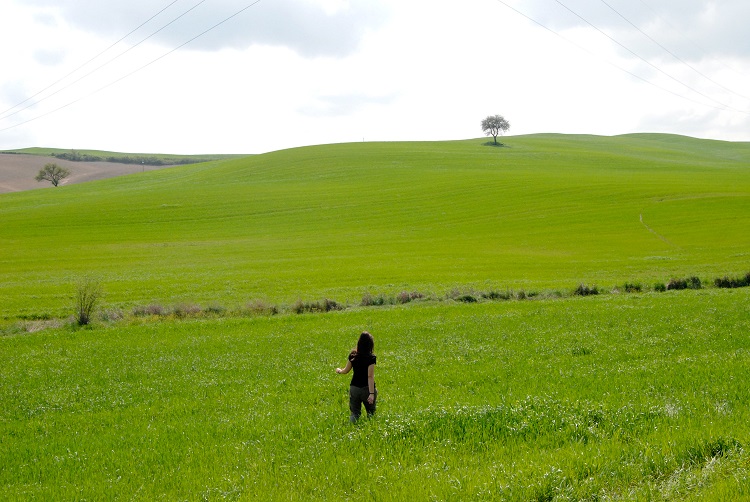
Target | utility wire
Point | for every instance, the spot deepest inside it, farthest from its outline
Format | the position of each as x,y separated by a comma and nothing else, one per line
722,106
237,13
104,64
672,53
692,42
584,49
3,113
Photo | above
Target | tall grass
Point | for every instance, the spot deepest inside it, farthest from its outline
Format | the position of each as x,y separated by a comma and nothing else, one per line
613,396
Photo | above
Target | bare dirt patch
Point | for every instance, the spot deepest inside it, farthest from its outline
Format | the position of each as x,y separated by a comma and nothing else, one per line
17,171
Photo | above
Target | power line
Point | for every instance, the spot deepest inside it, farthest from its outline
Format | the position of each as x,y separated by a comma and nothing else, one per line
237,13
691,41
105,63
608,62
672,53
3,113
722,106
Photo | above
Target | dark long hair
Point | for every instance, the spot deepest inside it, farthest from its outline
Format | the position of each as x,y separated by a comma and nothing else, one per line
365,345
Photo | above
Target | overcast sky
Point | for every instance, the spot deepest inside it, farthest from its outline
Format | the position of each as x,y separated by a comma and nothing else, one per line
160,76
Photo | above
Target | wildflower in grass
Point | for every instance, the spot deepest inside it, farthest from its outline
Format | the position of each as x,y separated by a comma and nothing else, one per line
362,389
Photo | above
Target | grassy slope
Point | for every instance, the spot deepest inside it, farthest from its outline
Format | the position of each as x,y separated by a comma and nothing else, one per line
549,211
613,397
617,397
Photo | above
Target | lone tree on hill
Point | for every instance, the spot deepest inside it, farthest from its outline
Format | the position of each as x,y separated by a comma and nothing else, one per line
494,125
52,173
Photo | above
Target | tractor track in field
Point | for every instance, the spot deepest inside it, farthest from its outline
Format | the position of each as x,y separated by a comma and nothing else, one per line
657,234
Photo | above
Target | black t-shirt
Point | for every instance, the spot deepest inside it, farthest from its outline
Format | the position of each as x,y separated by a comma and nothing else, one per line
359,367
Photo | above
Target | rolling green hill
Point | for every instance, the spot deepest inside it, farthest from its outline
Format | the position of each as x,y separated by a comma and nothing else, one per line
545,212
613,397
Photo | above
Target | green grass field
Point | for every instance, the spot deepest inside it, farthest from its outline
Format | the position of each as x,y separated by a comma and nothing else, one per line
615,397
548,212
618,396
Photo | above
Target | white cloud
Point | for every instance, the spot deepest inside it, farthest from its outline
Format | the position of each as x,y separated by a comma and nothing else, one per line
335,70
49,57
311,28
692,29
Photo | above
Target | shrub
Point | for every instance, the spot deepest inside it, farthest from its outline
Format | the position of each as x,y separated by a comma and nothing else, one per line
724,282
298,307
329,305
467,299
694,283
689,283
584,290
88,294
111,315
631,287
454,293
677,284
369,300
326,305
660,287
153,309
732,282
497,295
406,297
215,310
260,307
186,310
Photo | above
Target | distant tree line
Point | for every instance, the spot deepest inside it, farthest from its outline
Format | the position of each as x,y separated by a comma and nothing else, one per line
150,160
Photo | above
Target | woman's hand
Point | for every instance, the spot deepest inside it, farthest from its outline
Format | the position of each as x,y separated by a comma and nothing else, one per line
371,399
339,370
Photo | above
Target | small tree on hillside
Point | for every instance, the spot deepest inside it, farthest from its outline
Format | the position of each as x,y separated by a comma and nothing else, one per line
494,125
52,173
88,294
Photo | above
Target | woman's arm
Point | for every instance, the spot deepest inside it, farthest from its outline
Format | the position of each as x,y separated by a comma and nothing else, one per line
346,369
371,383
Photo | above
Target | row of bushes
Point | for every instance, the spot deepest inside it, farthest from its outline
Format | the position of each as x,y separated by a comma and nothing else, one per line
153,161
325,305
88,295
692,282
259,307
732,282
77,157
150,160
370,300
673,284
256,307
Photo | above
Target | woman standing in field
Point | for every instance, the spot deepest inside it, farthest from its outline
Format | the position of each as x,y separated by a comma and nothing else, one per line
362,390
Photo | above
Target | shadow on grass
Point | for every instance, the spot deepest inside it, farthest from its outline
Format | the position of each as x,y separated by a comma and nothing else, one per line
496,145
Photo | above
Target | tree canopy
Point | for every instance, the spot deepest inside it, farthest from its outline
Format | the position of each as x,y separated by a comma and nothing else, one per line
494,125
52,173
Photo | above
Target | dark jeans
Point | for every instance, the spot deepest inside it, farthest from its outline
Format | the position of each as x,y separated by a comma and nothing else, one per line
357,397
